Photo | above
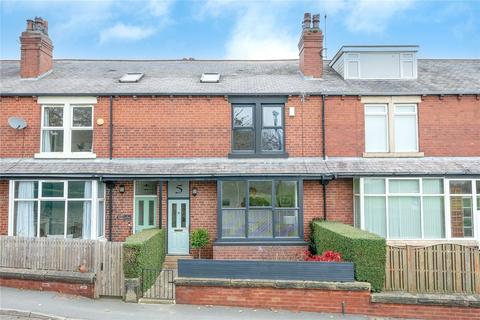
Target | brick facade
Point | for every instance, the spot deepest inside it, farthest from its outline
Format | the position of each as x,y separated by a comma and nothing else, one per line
3,207
79,289
316,300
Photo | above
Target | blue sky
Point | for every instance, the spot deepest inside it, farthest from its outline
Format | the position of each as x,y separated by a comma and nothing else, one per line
215,29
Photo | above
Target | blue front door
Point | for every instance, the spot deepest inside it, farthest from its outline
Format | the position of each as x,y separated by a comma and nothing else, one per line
178,226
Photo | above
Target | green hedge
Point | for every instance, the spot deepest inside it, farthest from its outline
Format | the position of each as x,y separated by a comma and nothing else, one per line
366,250
144,250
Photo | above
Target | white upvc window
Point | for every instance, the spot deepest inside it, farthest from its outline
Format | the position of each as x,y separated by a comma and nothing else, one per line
66,127
391,126
57,209
418,208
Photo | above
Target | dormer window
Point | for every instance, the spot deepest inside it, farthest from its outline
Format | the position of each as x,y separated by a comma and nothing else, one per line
376,62
67,128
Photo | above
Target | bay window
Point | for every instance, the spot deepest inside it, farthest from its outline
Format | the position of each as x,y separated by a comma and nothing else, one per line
259,209
416,208
64,209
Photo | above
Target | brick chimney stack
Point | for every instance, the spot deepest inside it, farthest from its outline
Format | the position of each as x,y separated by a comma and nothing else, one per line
311,47
36,49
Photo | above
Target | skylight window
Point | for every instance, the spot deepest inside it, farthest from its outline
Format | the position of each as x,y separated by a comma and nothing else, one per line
210,78
131,77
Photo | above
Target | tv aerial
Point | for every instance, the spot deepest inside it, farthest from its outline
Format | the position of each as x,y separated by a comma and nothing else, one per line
17,123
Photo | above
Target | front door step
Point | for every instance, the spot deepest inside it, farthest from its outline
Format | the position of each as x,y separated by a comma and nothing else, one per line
171,261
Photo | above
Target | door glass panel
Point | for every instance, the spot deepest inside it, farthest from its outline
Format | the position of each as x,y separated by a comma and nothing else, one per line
174,215
184,215
461,216
141,212
151,212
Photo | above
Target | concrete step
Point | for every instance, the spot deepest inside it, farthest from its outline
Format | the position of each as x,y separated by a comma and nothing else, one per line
171,260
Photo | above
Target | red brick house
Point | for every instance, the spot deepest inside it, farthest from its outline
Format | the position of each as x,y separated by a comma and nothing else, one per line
250,150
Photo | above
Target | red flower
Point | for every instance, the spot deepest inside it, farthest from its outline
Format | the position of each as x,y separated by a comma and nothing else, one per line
327,256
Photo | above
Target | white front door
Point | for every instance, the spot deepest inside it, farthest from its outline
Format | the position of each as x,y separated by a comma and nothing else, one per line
178,226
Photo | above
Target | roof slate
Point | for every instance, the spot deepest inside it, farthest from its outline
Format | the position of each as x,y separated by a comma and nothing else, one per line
279,77
223,167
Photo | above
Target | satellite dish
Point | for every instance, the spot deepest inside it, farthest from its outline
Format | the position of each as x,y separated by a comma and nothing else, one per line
17,123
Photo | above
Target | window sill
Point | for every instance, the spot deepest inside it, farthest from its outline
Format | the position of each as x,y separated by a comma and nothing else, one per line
393,155
79,155
252,242
257,155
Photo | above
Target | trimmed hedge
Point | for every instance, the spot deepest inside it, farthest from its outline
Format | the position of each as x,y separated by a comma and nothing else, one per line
144,250
366,250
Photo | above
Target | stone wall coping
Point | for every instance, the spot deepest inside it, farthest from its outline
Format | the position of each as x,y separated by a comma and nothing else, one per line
280,284
47,275
447,300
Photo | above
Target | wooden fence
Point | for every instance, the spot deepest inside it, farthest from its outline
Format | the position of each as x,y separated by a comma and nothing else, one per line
441,268
103,258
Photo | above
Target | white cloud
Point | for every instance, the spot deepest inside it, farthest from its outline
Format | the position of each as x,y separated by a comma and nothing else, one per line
257,32
125,32
365,16
159,8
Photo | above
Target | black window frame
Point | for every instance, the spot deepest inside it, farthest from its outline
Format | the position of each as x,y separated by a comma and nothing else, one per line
258,103
274,239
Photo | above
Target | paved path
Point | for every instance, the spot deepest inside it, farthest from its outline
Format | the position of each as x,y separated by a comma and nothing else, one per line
72,307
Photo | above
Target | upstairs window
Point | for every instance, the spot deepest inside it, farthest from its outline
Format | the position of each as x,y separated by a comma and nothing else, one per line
391,127
67,129
258,127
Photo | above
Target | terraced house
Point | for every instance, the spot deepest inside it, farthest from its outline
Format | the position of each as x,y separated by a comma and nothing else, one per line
250,150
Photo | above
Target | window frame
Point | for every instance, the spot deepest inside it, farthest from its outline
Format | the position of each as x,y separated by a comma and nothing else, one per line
391,114
257,103
446,206
274,239
68,104
94,200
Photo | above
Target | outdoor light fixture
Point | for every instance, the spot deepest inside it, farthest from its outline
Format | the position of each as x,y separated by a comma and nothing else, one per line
194,191
121,189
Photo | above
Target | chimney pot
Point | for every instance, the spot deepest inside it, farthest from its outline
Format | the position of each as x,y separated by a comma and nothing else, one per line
316,22
307,20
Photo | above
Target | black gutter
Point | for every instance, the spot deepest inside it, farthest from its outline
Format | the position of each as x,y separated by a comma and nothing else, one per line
222,94
324,153
111,129
110,187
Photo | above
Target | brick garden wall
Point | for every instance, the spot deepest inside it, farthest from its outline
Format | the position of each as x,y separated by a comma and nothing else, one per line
316,300
79,289
259,252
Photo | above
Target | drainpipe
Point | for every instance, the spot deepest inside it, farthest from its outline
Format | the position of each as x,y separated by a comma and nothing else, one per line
111,128
110,186
324,153
160,204
324,183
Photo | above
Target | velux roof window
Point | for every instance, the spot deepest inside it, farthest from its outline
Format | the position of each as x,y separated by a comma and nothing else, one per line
210,78
131,77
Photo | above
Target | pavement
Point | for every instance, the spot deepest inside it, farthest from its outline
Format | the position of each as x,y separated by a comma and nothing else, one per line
17,304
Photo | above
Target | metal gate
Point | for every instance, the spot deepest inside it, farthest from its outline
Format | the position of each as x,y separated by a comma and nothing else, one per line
158,284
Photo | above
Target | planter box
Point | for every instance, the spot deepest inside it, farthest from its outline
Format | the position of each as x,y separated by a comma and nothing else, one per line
267,270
